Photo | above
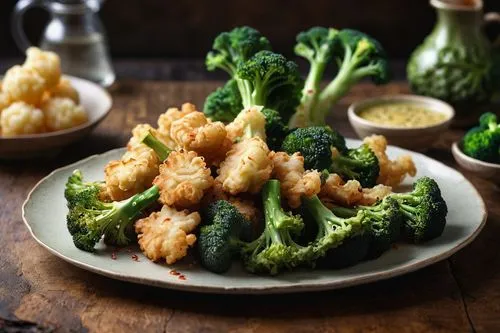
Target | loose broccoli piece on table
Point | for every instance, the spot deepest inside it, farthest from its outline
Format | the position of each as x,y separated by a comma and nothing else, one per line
382,221
276,130
332,229
360,164
315,145
224,104
89,218
483,142
221,237
424,210
160,149
276,248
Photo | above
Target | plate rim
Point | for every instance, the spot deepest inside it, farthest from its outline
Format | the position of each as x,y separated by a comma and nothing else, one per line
318,286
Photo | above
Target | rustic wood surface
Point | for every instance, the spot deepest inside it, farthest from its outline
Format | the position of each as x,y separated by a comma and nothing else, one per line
40,293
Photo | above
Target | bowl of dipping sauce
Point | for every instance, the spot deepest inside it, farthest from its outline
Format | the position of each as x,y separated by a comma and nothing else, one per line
408,121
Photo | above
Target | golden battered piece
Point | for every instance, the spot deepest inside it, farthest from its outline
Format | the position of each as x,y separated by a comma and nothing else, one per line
4,101
183,179
23,84
65,89
251,118
392,173
21,118
295,181
246,168
195,132
167,234
345,194
374,194
166,119
138,133
47,64
62,113
132,174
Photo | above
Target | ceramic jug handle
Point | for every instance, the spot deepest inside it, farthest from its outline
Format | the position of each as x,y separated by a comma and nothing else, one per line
493,17
17,22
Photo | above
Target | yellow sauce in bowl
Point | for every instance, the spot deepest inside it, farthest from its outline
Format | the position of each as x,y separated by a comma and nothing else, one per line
402,115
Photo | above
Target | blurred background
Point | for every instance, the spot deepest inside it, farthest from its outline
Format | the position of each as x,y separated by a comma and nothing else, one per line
154,30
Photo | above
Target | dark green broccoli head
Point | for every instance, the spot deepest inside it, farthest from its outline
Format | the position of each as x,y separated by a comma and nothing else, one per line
77,192
235,47
224,104
483,142
315,144
317,44
286,98
220,237
349,253
265,75
384,223
424,211
360,164
276,130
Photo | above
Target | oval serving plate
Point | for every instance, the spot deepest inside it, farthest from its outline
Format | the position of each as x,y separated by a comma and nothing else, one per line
45,208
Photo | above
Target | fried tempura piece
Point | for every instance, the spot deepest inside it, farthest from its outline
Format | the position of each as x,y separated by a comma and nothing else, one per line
65,89
21,118
166,119
132,174
345,194
167,234
183,179
295,181
47,64
138,133
62,113
246,168
23,84
374,194
251,118
392,173
195,132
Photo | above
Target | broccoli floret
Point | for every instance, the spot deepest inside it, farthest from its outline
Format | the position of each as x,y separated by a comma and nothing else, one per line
276,248
357,55
89,218
224,104
316,45
424,211
483,142
160,149
332,229
235,47
349,253
383,222
360,164
221,237
315,144
276,130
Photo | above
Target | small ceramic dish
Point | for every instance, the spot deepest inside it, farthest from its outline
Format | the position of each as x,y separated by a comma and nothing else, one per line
96,101
486,170
414,138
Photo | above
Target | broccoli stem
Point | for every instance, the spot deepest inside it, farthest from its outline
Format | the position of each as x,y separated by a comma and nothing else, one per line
136,204
160,149
327,221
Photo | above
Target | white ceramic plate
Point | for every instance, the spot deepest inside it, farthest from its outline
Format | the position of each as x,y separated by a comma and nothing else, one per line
96,101
45,209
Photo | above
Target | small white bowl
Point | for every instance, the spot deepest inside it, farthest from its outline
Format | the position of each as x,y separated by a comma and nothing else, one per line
486,170
414,138
96,101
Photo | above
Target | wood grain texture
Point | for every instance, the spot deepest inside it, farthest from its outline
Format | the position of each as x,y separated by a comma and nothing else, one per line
457,295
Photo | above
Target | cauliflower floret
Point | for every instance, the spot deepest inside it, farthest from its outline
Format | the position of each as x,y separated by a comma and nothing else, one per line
47,64
246,168
183,179
166,119
295,181
62,113
335,190
4,101
392,173
65,89
23,84
374,194
167,234
195,132
138,133
251,118
21,118
132,174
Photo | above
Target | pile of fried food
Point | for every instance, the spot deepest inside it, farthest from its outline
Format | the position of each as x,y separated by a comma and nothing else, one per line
193,181
35,98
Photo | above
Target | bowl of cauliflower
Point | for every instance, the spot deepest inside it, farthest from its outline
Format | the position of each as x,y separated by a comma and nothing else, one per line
42,110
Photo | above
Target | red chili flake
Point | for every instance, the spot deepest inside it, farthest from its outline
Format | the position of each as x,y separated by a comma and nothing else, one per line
310,91
174,272
113,256
182,277
135,257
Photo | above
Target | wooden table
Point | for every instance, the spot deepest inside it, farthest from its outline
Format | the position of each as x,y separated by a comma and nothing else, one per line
39,292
